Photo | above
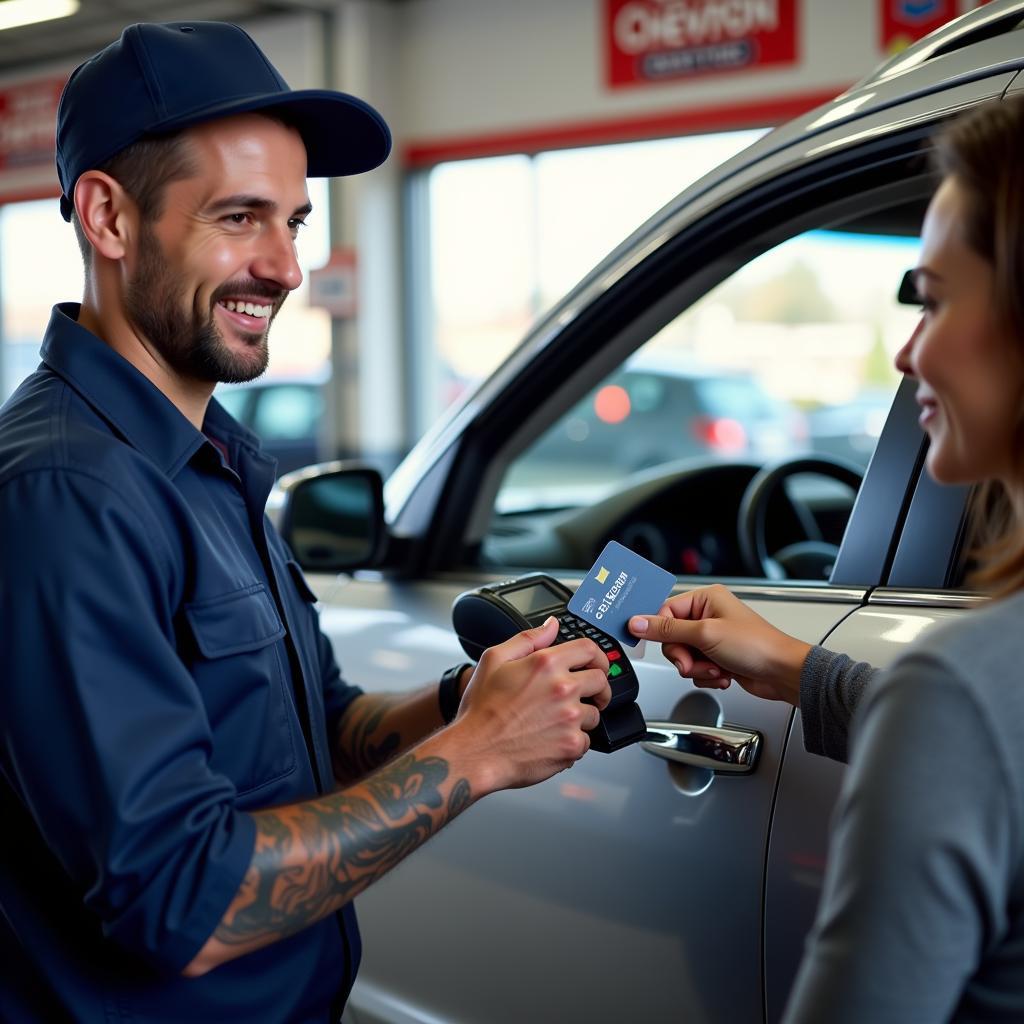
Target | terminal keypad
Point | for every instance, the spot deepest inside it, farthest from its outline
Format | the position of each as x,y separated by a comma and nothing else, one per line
620,672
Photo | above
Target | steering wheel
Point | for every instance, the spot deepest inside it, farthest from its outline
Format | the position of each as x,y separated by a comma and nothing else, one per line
806,559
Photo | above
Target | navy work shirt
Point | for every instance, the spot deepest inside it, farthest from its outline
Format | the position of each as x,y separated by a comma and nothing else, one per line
155,635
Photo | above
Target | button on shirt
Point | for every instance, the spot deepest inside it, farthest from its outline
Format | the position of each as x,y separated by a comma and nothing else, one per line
159,652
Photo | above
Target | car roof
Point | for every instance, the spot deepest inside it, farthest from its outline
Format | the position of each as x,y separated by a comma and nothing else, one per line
679,364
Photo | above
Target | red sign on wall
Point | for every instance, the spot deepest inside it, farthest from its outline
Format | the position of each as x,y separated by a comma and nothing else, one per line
905,21
664,40
28,118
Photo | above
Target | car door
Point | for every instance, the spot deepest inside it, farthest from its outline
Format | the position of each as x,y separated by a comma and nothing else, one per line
923,588
626,888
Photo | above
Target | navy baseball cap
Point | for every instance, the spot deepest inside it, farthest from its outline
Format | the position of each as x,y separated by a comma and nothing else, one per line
161,78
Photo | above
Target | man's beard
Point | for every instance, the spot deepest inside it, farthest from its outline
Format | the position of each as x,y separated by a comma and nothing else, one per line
193,346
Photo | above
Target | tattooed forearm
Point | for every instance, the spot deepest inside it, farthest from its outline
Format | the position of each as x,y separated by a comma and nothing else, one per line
362,745
312,858
376,727
459,799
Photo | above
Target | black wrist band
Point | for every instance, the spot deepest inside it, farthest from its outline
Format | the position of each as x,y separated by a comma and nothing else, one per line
448,696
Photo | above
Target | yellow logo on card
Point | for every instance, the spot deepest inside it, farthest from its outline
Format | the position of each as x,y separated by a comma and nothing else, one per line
602,574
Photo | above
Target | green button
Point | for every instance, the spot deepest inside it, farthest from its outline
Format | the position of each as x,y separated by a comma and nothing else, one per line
615,670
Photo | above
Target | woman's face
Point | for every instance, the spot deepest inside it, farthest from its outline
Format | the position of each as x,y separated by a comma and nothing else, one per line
969,367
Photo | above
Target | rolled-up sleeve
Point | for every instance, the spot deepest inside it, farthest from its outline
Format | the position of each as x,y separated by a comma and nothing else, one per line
104,736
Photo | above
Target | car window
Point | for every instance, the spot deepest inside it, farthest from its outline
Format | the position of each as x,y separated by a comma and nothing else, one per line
791,355
288,412
723,395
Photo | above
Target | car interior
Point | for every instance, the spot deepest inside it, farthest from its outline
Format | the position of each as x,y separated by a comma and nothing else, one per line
780,517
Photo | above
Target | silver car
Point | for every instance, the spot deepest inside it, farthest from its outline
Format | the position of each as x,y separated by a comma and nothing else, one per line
651,883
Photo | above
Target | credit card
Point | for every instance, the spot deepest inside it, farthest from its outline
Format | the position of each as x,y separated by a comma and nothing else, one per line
621,584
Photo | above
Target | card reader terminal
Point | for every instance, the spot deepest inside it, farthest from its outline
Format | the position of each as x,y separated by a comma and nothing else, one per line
491,614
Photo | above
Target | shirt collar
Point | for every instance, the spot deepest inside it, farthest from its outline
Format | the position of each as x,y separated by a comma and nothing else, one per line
135,407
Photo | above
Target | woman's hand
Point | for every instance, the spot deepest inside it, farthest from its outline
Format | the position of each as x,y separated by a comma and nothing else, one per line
712,637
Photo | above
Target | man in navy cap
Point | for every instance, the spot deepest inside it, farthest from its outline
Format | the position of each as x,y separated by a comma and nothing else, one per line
191,796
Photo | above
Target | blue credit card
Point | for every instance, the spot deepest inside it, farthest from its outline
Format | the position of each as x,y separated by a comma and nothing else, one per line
621,584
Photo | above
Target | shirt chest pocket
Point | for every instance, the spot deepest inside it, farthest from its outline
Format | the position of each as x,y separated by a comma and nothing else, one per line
241,669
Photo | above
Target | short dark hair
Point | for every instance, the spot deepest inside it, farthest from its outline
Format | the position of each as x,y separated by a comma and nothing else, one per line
144,170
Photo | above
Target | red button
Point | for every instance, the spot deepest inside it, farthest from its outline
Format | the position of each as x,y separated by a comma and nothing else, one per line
614,655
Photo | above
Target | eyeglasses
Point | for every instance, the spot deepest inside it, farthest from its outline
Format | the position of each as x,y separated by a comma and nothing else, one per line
908,294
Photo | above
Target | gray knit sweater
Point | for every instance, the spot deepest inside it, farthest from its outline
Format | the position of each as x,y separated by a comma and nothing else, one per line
830,690
922,912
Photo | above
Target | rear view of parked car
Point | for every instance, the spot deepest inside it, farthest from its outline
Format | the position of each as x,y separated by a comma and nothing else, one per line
287,416
657,409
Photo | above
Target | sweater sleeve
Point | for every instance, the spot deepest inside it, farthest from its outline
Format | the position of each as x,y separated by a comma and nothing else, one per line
921,857
831,687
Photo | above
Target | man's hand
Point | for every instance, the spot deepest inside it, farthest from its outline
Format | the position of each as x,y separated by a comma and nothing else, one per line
521,717
712,637
521,720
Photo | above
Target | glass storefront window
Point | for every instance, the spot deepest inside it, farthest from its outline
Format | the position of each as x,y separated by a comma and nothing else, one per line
40,265
510,235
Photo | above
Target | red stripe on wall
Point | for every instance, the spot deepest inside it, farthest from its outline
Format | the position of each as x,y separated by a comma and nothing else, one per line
757,114
28,195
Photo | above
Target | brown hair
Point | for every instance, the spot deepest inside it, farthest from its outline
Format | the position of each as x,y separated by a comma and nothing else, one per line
984,151
143,169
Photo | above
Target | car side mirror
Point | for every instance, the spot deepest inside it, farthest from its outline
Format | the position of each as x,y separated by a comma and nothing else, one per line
333,516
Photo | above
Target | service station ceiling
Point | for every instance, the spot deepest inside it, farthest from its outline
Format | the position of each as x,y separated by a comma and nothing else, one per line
98,22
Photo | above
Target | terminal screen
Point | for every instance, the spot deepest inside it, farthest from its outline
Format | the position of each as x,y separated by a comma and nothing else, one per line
533,599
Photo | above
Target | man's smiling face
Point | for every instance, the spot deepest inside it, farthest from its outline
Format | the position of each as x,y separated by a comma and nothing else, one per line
211,272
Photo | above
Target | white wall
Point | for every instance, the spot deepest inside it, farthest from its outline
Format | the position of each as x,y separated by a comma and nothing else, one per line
479,67
442,69
294,44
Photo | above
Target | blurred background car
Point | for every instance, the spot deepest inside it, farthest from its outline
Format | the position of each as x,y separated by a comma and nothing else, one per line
286,414
849,430
657,409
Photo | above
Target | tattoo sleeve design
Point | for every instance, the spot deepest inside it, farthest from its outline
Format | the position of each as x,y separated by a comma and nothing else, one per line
312,858
459,799
358,749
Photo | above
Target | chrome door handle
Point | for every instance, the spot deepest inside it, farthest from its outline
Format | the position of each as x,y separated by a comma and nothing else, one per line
720,748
